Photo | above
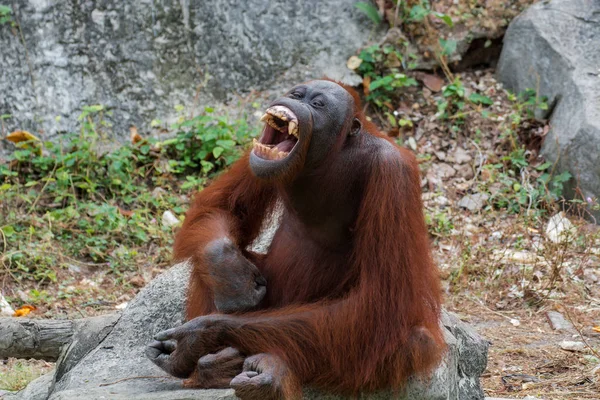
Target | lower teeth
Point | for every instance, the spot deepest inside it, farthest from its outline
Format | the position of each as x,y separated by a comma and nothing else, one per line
267,152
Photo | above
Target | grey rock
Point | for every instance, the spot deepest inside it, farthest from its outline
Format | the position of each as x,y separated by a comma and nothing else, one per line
180,394
116,367
89,333
554,47
141,58
157,307
473,202
558,322
461,156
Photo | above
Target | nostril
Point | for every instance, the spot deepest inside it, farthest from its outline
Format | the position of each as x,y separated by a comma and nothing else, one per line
260,281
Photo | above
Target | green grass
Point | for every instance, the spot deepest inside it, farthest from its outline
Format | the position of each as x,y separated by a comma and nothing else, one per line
19,374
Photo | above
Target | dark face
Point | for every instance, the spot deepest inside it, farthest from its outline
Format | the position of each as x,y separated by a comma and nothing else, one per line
301,128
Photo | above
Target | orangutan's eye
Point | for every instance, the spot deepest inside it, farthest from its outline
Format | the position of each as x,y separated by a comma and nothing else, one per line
317,103
296,95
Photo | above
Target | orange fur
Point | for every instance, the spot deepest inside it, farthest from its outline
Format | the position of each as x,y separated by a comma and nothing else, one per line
359,314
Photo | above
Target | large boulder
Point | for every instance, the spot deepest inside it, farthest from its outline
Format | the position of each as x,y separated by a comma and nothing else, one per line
115,366
554,48
141,58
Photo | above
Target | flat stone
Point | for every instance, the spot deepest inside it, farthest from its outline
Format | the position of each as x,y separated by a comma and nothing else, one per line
558,322
473,202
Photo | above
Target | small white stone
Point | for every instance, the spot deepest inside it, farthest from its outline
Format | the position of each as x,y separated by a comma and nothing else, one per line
158,192
496,235
572,346
88,282
473,202
121,306
461,156
559,228
5,308
442,201
412,143
169,219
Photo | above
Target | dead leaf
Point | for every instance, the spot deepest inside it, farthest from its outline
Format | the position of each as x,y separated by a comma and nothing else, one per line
21,136
596,329
137,281
134,135
433,82
366,84
25,140
24,310
125,213
353,62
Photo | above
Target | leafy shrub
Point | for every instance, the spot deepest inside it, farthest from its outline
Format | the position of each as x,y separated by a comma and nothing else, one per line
74,202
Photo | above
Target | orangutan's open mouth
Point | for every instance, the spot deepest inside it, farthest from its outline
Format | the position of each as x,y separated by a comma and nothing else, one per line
279,136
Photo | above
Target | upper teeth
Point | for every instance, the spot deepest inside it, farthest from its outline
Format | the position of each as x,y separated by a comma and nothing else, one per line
284,114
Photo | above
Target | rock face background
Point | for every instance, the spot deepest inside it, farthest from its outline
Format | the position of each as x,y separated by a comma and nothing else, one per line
554,47
140,58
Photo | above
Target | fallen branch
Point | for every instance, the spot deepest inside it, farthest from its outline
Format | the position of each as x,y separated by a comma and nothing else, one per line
34,338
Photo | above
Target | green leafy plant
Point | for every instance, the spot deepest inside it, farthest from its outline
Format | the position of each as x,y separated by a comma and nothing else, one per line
6,15
380,65
418,13
76,202
438,223
381,88
384,67
454,101
518,184
370,11
207,142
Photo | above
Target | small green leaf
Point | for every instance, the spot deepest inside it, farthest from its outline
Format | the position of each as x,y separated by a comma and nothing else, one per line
377,83
391,119
446,18
418,13
228,144
480,99
448,46
93,108
544,166
8,230
370,11
405,122
565,176
217,151
206,166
